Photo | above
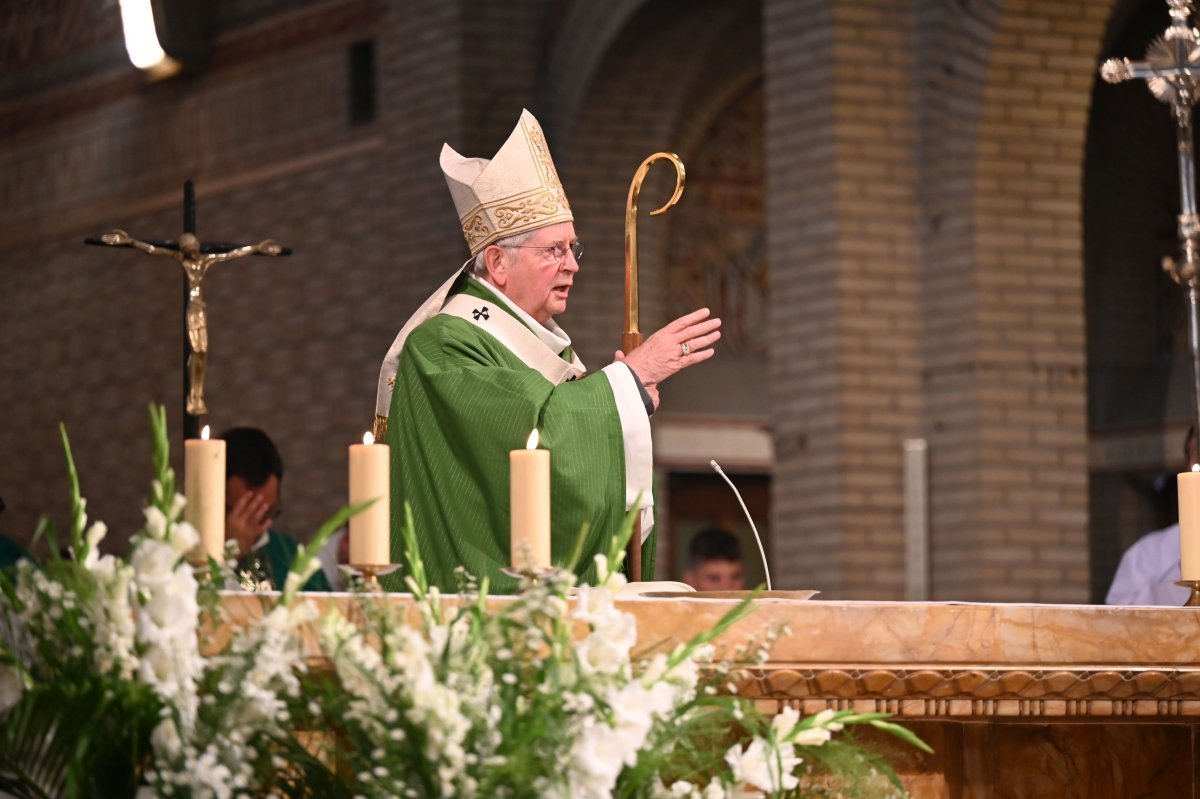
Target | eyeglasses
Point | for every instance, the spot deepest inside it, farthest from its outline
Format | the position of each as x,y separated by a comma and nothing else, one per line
559,251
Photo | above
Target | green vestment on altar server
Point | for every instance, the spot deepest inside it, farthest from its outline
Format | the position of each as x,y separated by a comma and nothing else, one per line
461,401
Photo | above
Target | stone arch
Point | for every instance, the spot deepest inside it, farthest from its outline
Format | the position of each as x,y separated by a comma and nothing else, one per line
669,57
582,40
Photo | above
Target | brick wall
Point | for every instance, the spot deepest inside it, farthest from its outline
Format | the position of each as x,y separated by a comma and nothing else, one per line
929,208
802,241
1030,368
295,343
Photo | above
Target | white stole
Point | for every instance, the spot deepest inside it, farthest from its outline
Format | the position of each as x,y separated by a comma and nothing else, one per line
519,339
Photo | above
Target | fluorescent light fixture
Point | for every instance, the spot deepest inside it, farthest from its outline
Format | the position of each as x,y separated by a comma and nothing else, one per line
141,40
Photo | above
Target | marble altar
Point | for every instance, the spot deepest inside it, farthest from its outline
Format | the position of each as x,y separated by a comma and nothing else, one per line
1016,700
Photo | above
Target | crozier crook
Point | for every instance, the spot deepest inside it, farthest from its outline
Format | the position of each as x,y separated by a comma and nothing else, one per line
631,338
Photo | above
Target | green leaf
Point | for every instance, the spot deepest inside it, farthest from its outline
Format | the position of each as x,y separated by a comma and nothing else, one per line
903,733
307,552
80,738
572,562
731,617
78,518
412,555
45,530
163,473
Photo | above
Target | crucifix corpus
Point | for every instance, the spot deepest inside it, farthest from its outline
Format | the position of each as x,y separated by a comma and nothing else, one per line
195,258
1171,70
631,337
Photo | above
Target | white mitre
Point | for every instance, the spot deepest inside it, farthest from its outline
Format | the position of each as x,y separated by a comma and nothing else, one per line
515,192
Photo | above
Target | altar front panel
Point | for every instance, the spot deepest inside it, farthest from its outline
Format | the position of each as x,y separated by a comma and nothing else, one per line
1017,701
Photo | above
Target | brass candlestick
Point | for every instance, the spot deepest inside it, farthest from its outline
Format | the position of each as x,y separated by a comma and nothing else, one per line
371,572
1194,587
201,567
532,573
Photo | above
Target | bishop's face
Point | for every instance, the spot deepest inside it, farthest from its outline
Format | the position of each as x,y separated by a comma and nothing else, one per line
536,279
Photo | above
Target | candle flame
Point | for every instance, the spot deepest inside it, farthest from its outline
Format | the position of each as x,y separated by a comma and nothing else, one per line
533,440
1196,467
368,438
204,433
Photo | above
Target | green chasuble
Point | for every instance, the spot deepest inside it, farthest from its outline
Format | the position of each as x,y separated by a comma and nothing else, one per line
275,563
461,401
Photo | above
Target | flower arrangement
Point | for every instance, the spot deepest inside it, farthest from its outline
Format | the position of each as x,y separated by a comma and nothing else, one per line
104,690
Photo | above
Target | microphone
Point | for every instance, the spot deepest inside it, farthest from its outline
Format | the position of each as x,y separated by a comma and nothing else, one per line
766,571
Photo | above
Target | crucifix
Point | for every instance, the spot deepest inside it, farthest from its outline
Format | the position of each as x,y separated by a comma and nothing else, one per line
195,258
1171,70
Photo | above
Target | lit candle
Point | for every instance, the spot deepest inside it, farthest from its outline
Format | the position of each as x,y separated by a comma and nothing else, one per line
529,492
370,540
204,487
1189,525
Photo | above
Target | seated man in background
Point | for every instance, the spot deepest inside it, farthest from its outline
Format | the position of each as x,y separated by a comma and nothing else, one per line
715,561
253,479
1149,569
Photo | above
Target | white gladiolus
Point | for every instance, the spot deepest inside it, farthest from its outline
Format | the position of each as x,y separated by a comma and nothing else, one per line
596,761
599,654
824,719
184,537
94,535
428,695
153,560
763,766
813,736
165,738
167,631
156,522
784,723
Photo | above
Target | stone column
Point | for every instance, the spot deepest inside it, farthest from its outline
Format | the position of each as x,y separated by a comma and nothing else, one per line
842,240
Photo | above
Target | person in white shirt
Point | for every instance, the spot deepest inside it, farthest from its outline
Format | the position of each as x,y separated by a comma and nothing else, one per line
1149,569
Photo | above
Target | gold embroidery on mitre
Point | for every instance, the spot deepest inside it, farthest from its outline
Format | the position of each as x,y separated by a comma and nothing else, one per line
549,173
529,210
517,191
476,230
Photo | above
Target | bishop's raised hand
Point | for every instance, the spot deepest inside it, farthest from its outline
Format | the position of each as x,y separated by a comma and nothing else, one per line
685,342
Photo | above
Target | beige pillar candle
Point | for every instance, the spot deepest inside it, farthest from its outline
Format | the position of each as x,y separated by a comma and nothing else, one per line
370,530
204,487
1189,525
529,493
